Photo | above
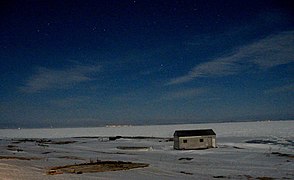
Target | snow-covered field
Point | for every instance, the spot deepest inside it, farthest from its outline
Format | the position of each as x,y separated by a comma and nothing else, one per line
246,150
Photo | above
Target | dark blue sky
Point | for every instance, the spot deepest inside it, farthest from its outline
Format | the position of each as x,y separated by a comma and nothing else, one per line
91,63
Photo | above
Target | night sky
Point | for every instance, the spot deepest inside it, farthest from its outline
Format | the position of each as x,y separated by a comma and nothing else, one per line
91,63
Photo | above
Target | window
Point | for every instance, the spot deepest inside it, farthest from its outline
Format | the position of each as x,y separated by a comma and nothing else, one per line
185,141
201,140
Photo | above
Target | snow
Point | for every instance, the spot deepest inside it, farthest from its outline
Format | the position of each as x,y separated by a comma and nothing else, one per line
234,158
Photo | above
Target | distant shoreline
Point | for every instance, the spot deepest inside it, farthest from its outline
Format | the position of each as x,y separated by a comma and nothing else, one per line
130,125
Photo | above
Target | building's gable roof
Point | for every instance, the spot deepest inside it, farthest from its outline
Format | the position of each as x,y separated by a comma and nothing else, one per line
200,132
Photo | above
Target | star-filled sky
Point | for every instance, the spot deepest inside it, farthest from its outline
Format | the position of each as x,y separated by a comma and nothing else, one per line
90,63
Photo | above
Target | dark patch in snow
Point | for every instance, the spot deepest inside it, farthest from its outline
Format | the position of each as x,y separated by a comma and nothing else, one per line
242,177
183,172
236,147
47,152
42,141
283,154
265,178
189,159
261,142
134,148
71,157
94,167
19,158
114,138
103,152
14,148
220,177
247,176
282,142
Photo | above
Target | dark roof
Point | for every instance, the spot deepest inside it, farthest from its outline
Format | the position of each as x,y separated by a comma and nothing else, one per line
200,132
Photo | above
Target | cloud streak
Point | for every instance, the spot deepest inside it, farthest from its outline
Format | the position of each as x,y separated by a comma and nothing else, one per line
70,101
183,94
45,78
282,89
266,53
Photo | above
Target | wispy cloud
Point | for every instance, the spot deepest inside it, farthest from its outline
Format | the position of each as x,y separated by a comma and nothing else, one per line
266,53
160,95
45,78
281,89
183,94
70,101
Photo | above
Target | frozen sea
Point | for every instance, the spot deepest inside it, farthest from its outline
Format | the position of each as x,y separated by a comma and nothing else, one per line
246,150
236,129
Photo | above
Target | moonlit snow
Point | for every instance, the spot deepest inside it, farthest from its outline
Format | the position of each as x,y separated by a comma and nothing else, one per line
246,150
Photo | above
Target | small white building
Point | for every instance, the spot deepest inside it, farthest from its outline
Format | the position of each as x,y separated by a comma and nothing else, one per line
194,139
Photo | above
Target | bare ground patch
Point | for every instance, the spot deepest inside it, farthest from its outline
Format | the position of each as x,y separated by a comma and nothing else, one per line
93,167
